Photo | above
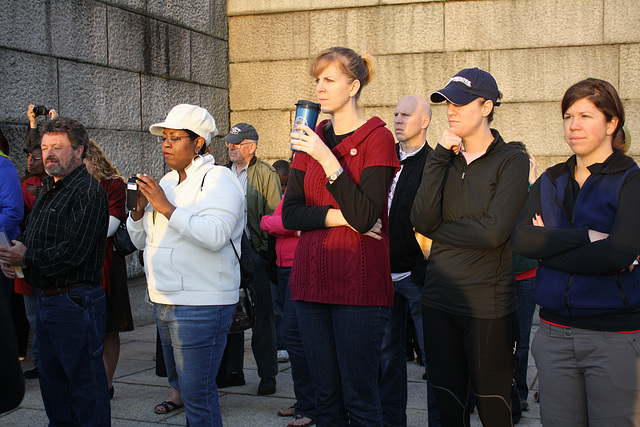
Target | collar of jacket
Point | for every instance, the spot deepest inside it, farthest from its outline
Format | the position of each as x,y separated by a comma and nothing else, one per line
424,150
616,162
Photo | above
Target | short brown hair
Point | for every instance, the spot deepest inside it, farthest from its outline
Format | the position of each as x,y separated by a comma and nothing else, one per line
601,93
75,131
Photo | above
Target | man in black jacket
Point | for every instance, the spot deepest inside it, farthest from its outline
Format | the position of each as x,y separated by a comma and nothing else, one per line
412,118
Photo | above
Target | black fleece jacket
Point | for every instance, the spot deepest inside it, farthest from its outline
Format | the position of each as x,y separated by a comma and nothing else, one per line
468,210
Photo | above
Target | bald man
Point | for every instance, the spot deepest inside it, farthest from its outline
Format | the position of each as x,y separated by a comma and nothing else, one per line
412,118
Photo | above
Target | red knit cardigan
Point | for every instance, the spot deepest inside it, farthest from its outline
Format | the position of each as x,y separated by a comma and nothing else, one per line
338,265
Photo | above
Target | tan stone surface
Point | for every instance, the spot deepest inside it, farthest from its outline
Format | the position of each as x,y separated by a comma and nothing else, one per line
273,128
632,112
629,87
526,75
269,85
269,37
506,24
538,125
248,7
383,30
417,74
621,21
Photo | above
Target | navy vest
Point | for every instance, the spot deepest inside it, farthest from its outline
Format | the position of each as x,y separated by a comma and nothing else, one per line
570,294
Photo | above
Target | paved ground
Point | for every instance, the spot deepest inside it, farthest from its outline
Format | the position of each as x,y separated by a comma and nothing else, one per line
138,389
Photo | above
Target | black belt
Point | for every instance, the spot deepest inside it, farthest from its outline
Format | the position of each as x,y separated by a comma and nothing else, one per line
60,291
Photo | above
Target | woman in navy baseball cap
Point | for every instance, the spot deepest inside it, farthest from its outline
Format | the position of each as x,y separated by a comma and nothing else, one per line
472,189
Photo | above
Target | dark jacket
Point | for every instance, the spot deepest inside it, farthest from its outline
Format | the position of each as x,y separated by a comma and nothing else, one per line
405,251
468,210
578,278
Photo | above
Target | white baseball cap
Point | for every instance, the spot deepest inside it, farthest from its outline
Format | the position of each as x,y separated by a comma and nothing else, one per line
190,117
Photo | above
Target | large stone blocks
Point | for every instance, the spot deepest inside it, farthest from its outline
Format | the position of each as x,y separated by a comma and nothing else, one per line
26,79
382,30
532,75
538,125
209,60
269,85
253,7
629,87
416,74
194,14
216,102
269,37
273,129
124,150
74,29
500,24
159,95
100,97
137,43
621,21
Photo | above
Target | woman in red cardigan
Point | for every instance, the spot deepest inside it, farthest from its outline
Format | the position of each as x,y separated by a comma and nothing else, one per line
341,281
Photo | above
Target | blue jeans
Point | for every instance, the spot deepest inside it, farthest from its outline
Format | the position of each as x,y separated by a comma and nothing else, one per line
302,382
263,339
393,361
72,378
30,307
526,309
193,339
342,344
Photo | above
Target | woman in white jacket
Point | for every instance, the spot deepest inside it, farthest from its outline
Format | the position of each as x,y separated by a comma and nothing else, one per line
185,223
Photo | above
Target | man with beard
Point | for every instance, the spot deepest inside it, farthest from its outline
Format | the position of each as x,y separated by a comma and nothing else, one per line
61,253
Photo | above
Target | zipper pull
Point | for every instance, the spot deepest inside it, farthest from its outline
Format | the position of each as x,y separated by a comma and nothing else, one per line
463,175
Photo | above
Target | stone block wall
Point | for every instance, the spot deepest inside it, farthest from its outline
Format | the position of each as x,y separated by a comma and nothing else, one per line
117,66
534,48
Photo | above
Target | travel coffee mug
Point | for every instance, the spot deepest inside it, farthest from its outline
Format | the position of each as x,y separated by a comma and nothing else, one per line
306,114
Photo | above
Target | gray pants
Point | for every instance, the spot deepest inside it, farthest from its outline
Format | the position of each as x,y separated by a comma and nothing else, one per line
587,378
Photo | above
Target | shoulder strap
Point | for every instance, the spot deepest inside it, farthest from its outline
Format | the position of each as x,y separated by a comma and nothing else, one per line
234,249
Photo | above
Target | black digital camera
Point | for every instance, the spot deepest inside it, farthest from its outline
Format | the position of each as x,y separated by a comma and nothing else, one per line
40,110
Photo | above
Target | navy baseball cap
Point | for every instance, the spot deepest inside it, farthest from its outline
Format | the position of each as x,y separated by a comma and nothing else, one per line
468,85
240,132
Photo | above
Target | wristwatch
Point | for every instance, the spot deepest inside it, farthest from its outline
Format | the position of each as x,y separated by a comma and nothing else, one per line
335,175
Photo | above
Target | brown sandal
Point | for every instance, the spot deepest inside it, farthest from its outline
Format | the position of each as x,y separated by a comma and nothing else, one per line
166,407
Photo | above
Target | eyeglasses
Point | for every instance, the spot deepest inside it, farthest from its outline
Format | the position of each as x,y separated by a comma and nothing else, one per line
171,139
228,144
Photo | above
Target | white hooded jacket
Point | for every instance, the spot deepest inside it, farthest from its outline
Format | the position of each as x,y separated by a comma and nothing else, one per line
188,260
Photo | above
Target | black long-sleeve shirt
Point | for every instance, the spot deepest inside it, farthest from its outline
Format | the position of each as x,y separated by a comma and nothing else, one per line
361,204
66,232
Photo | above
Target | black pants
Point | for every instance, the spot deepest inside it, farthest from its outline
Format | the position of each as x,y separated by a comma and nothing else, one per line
462,350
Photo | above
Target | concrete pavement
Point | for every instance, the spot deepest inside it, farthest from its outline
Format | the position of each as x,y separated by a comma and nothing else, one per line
138,389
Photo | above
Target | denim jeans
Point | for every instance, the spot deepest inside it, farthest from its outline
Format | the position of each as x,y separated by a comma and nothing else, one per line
263,339
526,309
193,339
302,383
72,378
342,344
393,361
30,307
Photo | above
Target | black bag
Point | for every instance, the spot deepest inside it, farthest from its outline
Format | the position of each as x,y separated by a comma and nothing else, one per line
245,316
121,240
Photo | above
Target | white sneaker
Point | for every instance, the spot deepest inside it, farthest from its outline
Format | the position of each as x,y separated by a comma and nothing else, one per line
283,356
